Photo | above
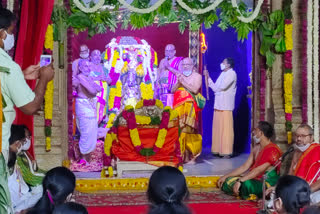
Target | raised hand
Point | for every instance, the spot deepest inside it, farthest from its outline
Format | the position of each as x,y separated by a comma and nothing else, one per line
32,72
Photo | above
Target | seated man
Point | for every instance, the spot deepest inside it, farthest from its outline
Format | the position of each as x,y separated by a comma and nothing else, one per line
22,196
188,102
246,179
32,175
305,160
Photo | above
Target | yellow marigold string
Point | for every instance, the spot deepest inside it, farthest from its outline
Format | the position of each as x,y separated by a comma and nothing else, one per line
134,135
140,70
110,171
159,104
156,58
125,67
48,109
288,36
48,43
143,120
107,144
146,91
161,138
115,58
139,104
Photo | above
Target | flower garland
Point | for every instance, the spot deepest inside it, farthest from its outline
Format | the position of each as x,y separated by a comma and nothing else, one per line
316,69
253,15
309,63
132,120
146,91
93,9
138,10
48,96
288,75
304,76
10,5
115,96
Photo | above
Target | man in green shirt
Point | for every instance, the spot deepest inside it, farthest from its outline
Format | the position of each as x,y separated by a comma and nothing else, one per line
15,92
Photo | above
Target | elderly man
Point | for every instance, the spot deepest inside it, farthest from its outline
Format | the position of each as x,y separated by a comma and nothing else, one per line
222,128
246,179
84,54
188,102
167,80
86,111
305,161
15,92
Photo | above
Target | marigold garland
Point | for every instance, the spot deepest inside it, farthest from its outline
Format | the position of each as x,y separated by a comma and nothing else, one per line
288,76
48,43
146,91
132,120
48,97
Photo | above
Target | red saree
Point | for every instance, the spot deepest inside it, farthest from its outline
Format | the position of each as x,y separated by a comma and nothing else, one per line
269,154
308,164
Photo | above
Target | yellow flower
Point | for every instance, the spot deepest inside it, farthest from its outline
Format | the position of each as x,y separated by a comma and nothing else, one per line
161,138
180,168
119,89
146,91
143,120
287,86
115,58
111,119
173,114
288,108
48,99
106,57
159,104
252,197
114,92
140,103
167,108
48,43
288,36
108,144
125,67
134,134
48,144
128,107
156,58
140,71
289,135
110,171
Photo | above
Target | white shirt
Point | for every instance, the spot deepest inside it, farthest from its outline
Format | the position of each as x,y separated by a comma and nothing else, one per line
225,90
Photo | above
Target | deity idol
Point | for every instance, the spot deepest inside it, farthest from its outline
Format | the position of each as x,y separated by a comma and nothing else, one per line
167,80
131,77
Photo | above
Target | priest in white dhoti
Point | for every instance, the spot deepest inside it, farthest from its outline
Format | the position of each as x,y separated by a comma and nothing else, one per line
225,90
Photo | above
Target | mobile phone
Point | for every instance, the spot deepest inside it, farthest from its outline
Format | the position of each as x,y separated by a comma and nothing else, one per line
45,60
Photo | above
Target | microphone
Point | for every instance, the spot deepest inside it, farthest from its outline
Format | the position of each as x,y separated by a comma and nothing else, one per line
291,149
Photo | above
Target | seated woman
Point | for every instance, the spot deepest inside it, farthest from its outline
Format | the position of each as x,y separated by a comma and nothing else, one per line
291,195
166,191
32,175
58,186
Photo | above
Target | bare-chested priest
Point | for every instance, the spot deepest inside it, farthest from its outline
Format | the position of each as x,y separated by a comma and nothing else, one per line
86,110
167,80
188,102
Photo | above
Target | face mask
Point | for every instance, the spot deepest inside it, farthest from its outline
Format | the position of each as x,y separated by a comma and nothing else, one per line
8,43
26,145
256,139
187,73
302,148
84,55
222,66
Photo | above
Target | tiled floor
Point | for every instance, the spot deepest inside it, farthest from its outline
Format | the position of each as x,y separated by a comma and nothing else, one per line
206,165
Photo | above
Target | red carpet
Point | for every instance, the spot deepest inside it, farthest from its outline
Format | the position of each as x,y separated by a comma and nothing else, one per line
236,208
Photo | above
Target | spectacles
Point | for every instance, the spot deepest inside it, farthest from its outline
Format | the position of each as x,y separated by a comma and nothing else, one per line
302,136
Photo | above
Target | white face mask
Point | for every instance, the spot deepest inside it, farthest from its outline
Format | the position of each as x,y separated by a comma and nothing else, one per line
302,148
256,139
222,66
26,145
187,73
84,55
8,43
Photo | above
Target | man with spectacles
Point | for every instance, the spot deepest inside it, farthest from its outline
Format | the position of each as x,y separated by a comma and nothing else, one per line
166,79
305,162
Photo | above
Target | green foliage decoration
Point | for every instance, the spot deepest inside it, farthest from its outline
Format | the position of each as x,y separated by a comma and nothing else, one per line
270,26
